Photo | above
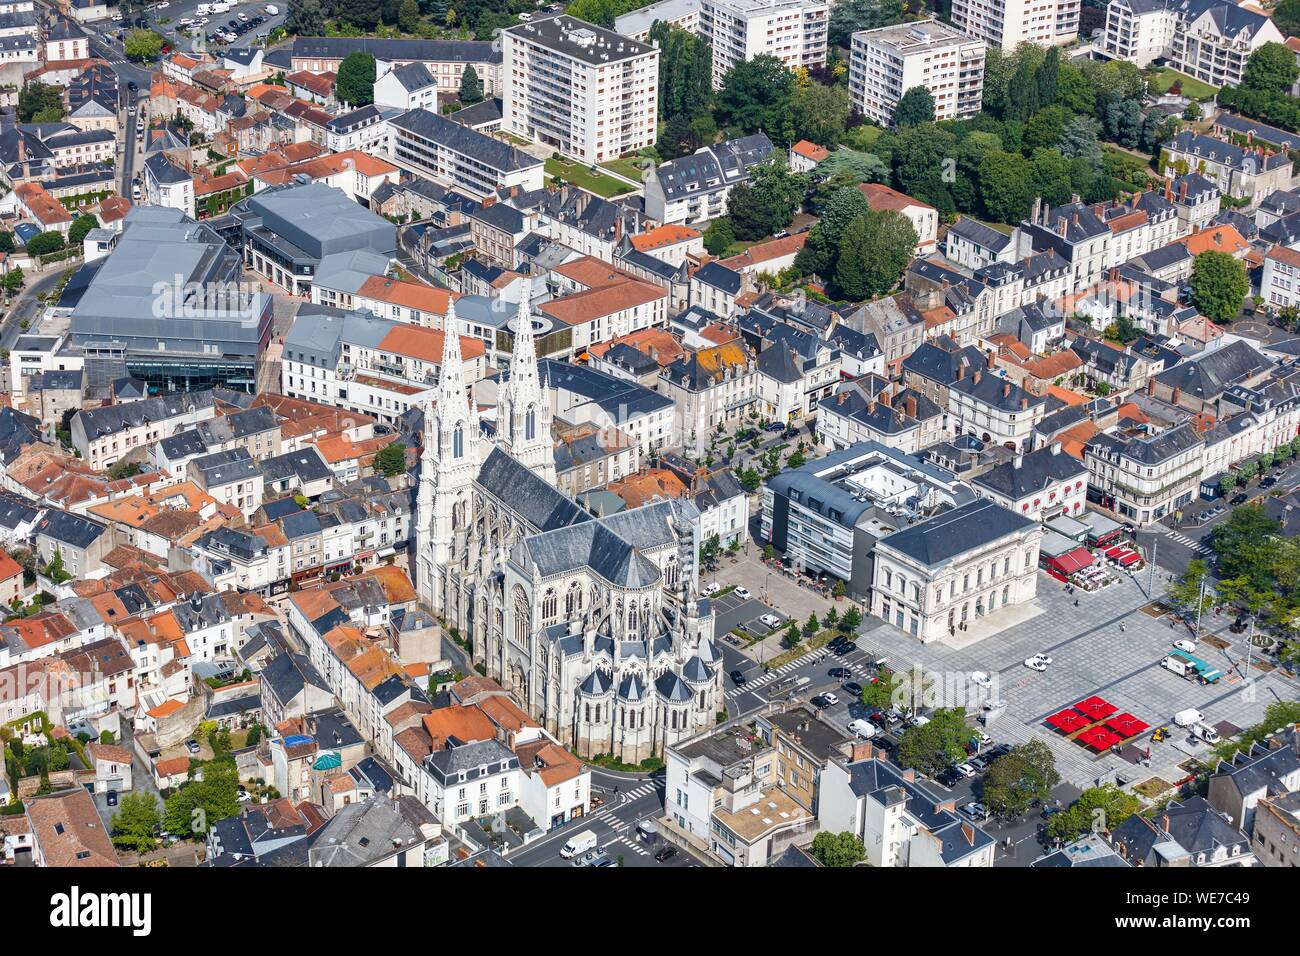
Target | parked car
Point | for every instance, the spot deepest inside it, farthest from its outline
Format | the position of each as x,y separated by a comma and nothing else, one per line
981,738
192,746
839,673
1001,750
975,810
773,427
771,620
1240,498
1186,645
666,854
848,647
1035,663
738,677
863,729
742,592
826,700
852,687
111,798
710,589
981,678
950,777
965,769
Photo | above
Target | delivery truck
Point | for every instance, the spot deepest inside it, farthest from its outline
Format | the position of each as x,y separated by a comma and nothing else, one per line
1188,718
579,844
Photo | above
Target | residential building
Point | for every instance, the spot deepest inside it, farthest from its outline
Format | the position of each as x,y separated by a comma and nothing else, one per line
446,60
1243,172
1240,785
712,389
1039,484
433,146
676,13
1009,23
923,217
692,189
793,31
1210,40
588,92
888,61
1143,478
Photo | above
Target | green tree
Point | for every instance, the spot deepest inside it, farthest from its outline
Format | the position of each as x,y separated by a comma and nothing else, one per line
36,97
837,849
850,16
1219,285
880,692
135,820
819,254
1287,17
355,84
915,107
471,88
719,237
80,226
1046,128
45,243
1098,808
391,459
408,16
756,95
306,18
792,636
1020,779
851,620
197,805
937,745
810,626
1270,69
13,279
873,253
142,46
767,202
1006,186
820,113
1186,591
1247,545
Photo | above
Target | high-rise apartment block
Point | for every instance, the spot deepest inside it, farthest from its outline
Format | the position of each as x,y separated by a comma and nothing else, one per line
1009,23
793,31
889,61
588,92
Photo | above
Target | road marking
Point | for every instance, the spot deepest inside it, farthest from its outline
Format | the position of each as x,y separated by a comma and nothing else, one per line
1188,543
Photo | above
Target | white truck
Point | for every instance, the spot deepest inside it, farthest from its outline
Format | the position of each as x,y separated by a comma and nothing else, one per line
272,10
1188,718
203,9
1181,667
579,844
221,6
1206,733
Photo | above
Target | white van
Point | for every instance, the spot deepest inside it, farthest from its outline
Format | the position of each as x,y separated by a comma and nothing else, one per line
272,10
862,729
578,844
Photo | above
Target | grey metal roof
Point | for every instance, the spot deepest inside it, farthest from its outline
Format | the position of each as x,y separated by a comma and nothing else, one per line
580,40
428,51
493,153
947,535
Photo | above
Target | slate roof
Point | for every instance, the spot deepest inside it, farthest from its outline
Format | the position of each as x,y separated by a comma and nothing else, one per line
947,535
1037,471
70,529
1209,375
979,234
497,155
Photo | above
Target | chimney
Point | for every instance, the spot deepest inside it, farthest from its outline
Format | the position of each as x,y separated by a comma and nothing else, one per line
949,805
1006,389
871,408
961,371
1024,403
844,395
991,360
968,832
1151,386
1074,198
1056,448
1182,191
885,398
488,201
1250,137
1038,209
911,406
1169,190
1164,823
1061,226
861,751
1075,217
909,775
976,377
1177,394
1017,461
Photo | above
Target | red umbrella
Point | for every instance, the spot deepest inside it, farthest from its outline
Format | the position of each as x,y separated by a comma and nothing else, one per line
1126,725
1096,707
1067,721
1098,738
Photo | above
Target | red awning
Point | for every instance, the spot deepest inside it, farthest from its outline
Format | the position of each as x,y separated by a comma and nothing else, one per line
1126,725
1096,707
1068,721
1073,561
1129,557
1098,738
1114,552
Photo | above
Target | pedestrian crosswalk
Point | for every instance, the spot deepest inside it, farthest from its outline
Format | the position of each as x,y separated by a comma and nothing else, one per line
859,669
1188,543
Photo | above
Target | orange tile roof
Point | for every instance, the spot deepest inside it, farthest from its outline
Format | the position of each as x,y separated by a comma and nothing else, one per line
1216,239
553,764
172,766
165,709
660,344
881,197
1073,440
69,831
592,272
1053,366
594,303
47,210
762,252
1131,412
664,236
322,84
657,483
1065,395
417,341
1199,329
505,713
810,150
411,295
8,566
467,724
397,586
719,334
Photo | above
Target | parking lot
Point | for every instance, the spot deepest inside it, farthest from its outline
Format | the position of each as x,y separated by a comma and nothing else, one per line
770,593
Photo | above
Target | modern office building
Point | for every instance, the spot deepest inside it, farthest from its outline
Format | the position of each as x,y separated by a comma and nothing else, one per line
588,92
455,155
284,232
167,306
827,517
1009,23
793,31
889,61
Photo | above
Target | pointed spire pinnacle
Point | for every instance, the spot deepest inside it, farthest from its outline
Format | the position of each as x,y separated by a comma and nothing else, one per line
523,361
